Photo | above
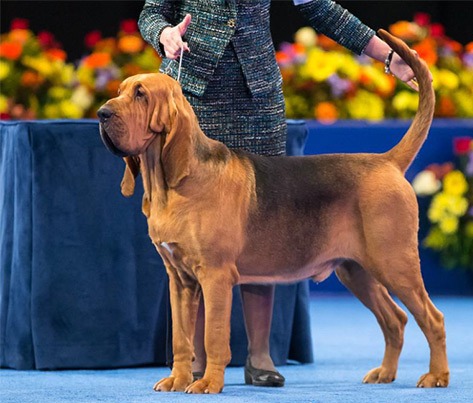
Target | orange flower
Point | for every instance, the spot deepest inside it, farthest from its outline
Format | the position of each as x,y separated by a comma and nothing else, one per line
31,79
19,35
282,58
112,87
446,107
56,54
469,47
97,60
455,46
326,43
427,50
326,112
106,45
405,30
131,69
10,50
130,44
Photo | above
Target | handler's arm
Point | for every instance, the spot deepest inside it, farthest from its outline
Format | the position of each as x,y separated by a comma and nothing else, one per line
155,16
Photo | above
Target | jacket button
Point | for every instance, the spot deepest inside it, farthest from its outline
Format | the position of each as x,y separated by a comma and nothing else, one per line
231,23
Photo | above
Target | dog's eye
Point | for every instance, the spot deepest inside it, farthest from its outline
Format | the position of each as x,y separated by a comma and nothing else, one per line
139,93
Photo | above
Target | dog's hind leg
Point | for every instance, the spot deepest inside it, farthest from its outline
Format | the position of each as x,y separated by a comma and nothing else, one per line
404,280
389,315
399,271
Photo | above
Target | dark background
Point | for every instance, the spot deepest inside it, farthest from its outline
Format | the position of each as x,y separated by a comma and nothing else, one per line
69,21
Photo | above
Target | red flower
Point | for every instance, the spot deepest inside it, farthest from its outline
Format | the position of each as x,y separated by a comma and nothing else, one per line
422,19
92,38
437,30
46,39
19,23
129,26
462,145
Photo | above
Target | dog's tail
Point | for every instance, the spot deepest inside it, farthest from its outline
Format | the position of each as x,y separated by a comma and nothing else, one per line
405,151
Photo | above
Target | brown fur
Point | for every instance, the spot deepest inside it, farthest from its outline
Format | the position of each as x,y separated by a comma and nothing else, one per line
219,218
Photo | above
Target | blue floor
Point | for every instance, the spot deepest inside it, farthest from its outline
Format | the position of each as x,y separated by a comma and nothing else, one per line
347,343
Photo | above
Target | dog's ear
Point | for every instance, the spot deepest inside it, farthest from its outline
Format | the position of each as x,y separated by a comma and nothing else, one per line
176,152
132,169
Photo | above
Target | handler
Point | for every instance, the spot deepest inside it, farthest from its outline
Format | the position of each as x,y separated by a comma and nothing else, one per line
231,78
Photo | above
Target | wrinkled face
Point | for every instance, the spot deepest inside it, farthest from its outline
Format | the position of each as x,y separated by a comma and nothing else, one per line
130,122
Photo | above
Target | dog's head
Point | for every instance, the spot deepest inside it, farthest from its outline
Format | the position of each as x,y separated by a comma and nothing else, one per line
149,107
145,107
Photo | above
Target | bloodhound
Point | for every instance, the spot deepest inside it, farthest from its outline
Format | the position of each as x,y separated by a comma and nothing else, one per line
221,217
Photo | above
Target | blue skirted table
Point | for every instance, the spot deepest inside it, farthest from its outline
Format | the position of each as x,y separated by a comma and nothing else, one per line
82,286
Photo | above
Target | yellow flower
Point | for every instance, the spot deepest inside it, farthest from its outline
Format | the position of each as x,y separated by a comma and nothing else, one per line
4,69
82,97
446,205
41,64
405,100
349,67
454,183
448,79
58,92
449,225
85,76
70,110
51,111
438,207
320,65
365,105
436,239
3,103
66,75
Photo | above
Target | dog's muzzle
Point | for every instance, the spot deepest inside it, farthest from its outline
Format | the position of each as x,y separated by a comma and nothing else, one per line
104,115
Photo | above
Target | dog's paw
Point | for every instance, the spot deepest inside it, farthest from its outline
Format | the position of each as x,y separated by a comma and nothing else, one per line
380,375
205,385
430,380
172,384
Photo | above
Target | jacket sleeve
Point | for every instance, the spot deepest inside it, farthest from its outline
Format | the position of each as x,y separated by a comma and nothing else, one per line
329,18
155,16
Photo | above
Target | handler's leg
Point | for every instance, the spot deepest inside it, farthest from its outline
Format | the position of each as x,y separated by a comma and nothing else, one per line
258,303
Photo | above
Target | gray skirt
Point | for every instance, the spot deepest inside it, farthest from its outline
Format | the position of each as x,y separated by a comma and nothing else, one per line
227,112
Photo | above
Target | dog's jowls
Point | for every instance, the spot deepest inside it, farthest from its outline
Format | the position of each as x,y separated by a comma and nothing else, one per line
219,217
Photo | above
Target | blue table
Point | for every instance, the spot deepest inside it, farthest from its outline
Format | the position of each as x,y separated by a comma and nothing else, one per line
81,285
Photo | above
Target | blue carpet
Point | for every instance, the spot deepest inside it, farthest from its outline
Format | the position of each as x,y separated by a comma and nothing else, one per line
347,343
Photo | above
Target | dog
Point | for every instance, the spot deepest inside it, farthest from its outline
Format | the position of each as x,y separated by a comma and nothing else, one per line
220,217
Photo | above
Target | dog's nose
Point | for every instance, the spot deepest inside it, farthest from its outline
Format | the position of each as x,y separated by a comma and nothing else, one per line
104,113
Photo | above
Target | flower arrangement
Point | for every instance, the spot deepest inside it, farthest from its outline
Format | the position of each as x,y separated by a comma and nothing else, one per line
39,83
450,212
111,61
323,80
35,75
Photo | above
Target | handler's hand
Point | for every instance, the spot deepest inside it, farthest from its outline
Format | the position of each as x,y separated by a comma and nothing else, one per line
171,38
403,72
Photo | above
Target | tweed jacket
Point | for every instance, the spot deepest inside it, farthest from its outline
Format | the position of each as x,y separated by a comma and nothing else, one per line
245,23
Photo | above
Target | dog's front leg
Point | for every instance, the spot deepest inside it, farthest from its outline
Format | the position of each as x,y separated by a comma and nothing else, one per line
185,297
217,287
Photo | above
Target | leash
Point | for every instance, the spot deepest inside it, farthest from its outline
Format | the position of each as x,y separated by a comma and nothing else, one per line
180,65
